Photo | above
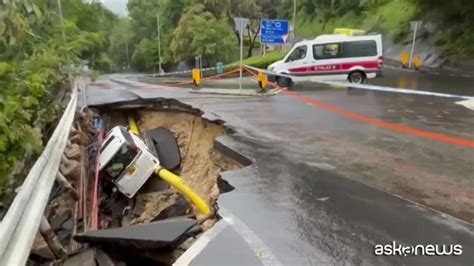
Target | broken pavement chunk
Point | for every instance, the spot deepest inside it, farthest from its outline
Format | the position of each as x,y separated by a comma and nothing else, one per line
85,258
103,258
153,235
162,144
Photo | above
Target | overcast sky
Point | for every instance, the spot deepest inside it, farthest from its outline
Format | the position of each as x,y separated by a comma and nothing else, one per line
117,6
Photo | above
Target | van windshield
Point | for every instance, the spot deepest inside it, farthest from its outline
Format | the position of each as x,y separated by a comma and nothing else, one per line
297,54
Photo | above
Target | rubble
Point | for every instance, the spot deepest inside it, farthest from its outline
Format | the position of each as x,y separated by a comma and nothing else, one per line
201,164
160,234
146,221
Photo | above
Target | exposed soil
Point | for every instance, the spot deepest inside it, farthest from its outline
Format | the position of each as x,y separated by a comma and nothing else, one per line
200,169
201,164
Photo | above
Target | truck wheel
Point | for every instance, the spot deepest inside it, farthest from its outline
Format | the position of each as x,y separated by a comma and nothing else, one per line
357,77
284,82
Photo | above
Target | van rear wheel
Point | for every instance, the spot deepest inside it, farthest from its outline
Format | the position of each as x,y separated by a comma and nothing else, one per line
284,82
357,77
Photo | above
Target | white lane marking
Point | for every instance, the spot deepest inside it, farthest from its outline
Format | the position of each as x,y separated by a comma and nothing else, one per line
371,87
466,76
397,90
188,256
392,67
262,251
469,104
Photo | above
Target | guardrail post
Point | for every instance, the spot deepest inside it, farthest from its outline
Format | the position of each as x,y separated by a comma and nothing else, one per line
51,239
63,182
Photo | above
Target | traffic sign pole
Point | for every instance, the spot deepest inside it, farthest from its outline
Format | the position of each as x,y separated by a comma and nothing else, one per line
241,51
240,25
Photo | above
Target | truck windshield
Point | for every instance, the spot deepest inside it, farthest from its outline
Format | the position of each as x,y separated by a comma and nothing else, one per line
120,161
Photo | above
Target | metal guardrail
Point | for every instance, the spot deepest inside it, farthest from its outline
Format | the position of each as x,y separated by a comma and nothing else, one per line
188,71
20,225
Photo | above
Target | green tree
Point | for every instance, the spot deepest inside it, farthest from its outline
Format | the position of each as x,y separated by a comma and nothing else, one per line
34,62
146,54
121,49
200,33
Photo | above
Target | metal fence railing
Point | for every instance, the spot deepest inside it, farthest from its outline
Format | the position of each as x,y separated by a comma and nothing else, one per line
20,225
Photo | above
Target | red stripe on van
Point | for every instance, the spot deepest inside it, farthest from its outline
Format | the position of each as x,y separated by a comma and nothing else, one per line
365,64
373,64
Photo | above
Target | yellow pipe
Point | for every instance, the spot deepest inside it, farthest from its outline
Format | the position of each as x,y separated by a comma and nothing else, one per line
133,126
174,180
179,184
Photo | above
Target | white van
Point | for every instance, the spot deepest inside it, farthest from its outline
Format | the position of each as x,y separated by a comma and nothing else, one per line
331,57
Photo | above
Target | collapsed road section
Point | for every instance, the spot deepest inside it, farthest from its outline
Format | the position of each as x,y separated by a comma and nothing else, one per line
122,209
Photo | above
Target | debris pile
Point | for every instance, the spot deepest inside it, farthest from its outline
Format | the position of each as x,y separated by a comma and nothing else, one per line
201,164
156,224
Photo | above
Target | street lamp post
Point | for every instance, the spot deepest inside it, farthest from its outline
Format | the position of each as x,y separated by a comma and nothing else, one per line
294,21
60,11
159,44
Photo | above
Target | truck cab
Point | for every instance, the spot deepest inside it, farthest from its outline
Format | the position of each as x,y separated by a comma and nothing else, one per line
126,160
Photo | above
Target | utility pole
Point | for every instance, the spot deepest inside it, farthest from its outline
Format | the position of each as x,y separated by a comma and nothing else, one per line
126,49
60,11
159,43
61,20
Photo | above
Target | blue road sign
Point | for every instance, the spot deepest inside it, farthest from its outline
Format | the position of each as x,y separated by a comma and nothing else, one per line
274,31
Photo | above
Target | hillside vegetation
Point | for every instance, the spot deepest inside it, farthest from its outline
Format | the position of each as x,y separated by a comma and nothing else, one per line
449,23
36,60
190,28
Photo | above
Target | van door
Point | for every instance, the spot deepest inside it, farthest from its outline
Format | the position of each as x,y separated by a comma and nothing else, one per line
362,55
297,60
326,59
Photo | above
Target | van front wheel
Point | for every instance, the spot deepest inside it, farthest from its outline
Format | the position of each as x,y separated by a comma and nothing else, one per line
284,82
357,77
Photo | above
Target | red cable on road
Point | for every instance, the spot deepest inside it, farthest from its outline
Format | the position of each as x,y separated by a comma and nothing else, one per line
95,193
256,76
381,123
375,121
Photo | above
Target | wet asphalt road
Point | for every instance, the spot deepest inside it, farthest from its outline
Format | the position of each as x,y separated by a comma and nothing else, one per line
322,186
430,80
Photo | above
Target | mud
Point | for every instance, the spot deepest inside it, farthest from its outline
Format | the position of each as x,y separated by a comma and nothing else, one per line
201,163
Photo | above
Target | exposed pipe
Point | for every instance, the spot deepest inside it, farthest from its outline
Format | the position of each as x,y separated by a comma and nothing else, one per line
51,239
